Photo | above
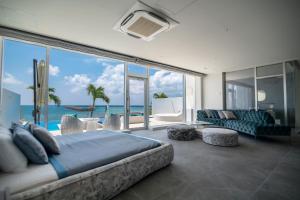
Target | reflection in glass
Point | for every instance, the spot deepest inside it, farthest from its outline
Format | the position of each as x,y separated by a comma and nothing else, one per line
274,97
240,89
290,69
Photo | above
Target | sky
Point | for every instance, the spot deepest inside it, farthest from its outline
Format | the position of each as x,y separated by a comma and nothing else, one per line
71,72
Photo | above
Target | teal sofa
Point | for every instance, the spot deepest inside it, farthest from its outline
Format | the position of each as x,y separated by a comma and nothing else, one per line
256,123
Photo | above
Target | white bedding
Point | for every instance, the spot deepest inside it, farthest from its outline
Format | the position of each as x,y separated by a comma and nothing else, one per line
35,175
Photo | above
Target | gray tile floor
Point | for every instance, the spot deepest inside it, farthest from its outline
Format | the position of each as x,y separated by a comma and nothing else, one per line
256,169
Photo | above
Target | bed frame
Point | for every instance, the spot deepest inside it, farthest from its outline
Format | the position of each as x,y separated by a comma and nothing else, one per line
103,182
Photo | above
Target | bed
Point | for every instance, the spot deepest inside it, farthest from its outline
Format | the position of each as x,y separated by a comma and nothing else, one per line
112,172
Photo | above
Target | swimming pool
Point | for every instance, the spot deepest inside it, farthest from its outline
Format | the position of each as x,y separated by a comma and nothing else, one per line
52,125
55,124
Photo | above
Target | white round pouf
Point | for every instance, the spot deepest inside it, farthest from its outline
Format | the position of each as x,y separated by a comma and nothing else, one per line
220,137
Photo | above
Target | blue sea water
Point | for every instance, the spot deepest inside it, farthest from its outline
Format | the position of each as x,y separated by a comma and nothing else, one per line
56,112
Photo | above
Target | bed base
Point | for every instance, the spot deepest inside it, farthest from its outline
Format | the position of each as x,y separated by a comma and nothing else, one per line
104,182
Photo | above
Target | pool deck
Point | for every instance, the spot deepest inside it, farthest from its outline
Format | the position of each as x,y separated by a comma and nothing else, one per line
153,123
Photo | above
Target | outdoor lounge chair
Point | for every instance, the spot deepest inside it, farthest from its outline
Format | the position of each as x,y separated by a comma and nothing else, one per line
71,124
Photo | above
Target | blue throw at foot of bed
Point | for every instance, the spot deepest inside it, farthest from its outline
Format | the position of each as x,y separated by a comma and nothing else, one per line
84,151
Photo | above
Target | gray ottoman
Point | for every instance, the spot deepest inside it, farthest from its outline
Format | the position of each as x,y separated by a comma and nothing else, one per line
181,132
220,137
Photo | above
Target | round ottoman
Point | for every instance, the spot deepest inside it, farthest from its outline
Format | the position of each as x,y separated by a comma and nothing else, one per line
220,137
181,132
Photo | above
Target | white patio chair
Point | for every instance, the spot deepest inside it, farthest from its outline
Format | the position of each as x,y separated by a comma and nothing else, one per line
70,124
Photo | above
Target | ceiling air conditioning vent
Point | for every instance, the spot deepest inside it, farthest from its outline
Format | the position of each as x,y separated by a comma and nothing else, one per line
144,22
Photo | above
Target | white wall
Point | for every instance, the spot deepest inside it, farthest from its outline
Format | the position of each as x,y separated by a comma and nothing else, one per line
9,108
213,91
167,105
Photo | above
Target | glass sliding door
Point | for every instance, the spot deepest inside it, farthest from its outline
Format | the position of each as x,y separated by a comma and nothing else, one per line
166,93
136,103
88,87
17,81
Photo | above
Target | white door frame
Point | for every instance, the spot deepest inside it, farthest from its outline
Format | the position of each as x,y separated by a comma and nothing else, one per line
128,77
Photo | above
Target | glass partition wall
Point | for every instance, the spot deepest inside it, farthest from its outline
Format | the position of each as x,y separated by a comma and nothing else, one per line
270,91
271,88
240,90
90,88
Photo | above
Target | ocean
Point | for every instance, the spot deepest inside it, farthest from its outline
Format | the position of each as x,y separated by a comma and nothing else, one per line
56,112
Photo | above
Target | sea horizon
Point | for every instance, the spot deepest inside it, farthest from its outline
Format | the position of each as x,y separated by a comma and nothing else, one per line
56,112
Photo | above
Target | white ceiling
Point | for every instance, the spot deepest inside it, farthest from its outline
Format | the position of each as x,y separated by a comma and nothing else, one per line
213,35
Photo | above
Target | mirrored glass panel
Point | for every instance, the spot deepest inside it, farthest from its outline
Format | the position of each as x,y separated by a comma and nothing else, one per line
270,97
291,89
240,89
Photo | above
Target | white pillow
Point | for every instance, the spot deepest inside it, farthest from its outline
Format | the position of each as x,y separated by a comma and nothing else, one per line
11,158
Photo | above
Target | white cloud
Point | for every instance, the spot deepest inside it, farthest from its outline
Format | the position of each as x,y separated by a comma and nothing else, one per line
10,79
77,82
29,70
136,87
112,79
97,60
100,60
53,70
168,82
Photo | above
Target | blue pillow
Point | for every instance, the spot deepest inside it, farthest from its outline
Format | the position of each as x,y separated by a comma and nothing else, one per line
27,126
31,147
46,139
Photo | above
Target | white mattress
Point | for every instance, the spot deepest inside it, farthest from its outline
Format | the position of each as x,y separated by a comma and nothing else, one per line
35,175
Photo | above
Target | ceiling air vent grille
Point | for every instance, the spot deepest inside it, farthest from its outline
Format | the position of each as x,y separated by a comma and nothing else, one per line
144,22
145,27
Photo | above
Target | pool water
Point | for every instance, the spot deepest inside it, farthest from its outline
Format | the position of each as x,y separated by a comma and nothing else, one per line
52,125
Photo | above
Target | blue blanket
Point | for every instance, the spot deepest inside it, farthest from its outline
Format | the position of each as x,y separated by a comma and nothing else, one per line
85,151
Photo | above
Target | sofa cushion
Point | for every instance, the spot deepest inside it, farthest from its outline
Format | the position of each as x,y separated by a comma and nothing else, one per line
261,117
229,115
30,146
11,158
208,113
221,114
242,126
201,115
215,114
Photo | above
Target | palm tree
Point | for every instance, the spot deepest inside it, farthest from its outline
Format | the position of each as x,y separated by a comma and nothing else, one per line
51,97
97,93
159,95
